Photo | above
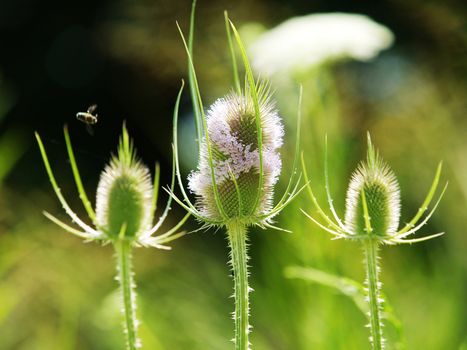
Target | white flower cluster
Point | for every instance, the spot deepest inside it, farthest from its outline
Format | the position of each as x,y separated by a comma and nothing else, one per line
303,42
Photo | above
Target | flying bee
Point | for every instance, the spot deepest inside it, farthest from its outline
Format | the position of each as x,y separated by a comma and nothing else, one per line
88,118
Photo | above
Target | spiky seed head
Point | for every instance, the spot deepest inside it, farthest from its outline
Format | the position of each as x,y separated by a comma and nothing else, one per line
375,182
124,194
233,136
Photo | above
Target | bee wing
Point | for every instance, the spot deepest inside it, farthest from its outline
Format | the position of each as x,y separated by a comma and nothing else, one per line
92,109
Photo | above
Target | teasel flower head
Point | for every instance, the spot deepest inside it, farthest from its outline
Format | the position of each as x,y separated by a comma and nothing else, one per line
125,202
239,161
124,194
373,204
375,183
233,133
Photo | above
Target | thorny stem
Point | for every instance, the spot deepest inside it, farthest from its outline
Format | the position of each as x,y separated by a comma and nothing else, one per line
125,278
237,238
374,298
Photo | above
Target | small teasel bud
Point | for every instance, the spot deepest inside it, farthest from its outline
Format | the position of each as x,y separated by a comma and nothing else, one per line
124,194
233,136
375,183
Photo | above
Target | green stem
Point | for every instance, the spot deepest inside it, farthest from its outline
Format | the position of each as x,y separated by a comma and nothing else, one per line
125,277
237,238
374,298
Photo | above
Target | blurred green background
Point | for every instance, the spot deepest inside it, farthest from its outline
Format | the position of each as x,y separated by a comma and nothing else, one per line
58,58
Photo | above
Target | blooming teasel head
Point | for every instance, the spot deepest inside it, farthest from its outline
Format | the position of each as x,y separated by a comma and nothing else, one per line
125,202
233,133
373,204
239,160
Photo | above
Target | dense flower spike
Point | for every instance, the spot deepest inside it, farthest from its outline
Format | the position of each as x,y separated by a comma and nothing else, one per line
234,143
372,217
125,204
